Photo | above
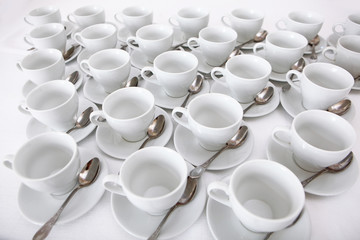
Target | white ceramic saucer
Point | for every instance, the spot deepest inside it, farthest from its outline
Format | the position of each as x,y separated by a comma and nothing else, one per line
318,48
332,39
188,146
35,127
94,91
84,54
328,184
69,27
139,60
255,110
123,33
203,66
163,100
114,145
224,225
39,207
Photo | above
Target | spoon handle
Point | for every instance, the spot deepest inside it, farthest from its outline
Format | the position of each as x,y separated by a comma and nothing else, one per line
157,231
144,143
44,231
248,107
71,129
179,114
309,179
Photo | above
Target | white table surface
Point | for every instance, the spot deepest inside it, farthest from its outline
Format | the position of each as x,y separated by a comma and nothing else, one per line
331,217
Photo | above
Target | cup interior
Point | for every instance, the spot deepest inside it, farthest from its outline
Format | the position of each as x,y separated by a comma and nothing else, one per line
248,67
136,11
47,30
176,62
287,39
98,31
109,59
41,59
247,14
355,18
351,43
218,34
305,17
43,11
192,13
154,32
88,11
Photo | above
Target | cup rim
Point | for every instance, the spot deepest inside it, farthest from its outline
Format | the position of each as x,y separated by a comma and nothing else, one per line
96,26
45,52
50,7
204,12
99,9
354,16
231,32
259,14
164,54
303,39
319,18
352,38
245,57
59,27
123,53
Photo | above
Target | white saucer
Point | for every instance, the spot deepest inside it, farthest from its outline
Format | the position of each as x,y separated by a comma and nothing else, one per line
188,146
83,55
139,60
318,48
328,184
255,110
114,145
203,66
224,225
76,51
163,100
39,207
35,127
292,103
69,27
94,91
333,39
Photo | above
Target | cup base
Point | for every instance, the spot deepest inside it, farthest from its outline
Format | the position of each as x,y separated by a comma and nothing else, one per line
305,167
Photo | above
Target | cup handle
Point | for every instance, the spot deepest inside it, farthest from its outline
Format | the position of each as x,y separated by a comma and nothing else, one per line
8,161
27,39
258,45
341,26
332,51
118,18
111,184
146,76
27,21
23,108
281,24
70,18
183,120
130,41
290,80
222,80
193,39
226,21
281,136
173,22
98,118
84,65
219,191
78,39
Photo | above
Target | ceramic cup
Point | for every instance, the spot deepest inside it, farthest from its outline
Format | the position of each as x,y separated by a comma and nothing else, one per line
190,21
149,180
97,37
43,65
54,104
264,195
282,49
306,23
244,76
350,27
47,163
43,15
346,54
128,112
213,118
109,67
174,71
152,40
50,35
215,44
134,17
321,84
317,139
87,15
246,23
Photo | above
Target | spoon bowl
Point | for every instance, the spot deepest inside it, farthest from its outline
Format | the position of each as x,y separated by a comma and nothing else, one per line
194,88
263,97
340,107
133,82
70,52
73,77
155,129
83,120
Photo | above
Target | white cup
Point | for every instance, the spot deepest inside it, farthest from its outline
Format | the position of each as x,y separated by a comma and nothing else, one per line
128,112
174,71
246,23
43,15
321,84
264,195
149,180
346,54
87,15
49,35
350,27
43,65
283,49
54,103
215,44
97,37
244,76
152,40
109,67
134,17
47,163
213,118
306,23
317,139
190,21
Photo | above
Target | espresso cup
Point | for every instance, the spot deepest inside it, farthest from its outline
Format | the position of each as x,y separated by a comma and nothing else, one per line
282,49
215,44
87,15
43,15
246,23
350,27
152,40
128,112
149,180
244,76
54,104
174,71
321,84
97,37
306,23
346,54
213,118
317,139
109,67
48,163
264,195
134,17
43,65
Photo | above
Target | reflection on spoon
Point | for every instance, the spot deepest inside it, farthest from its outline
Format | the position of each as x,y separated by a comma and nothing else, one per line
133,82
194,88
83,120
298,66
340,107
69,53
259,37
73,77
155,129
313,42
262,97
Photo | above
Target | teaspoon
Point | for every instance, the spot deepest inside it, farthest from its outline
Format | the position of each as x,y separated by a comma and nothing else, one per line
259,37
313,43
263,97
340,107
133,82
83,120
73,77
155,129
298,66
69,53
194,88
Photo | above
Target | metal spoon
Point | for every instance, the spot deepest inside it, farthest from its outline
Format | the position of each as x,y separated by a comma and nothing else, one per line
313,42
86,177
83,120
69,53
357,78
259,37
340,107
73,77
236,141
155,129
194,88
133,82
187,196
262,97
337,167
299,66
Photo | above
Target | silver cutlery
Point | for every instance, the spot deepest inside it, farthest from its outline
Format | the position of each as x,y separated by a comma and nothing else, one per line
340,107
262,97
83,120
155,129
194,88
